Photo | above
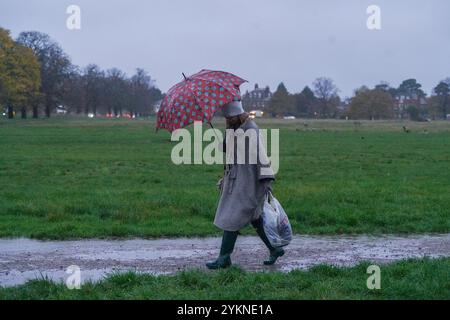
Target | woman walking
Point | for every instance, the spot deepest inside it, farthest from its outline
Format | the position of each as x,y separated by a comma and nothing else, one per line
242,192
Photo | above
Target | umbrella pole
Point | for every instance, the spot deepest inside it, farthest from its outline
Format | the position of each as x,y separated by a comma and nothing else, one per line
210,124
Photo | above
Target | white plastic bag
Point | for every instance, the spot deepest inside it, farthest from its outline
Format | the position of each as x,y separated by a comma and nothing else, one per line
276,222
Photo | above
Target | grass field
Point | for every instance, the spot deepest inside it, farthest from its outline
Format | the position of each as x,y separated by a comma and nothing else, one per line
70,178
412,279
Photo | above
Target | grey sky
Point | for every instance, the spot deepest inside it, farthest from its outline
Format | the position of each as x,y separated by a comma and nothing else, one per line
263,41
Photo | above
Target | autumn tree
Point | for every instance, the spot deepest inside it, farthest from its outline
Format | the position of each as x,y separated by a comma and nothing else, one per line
371,104
54,66
28,80
7,89
19,75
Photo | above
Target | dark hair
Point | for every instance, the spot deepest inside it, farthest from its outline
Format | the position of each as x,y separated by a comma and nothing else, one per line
236,121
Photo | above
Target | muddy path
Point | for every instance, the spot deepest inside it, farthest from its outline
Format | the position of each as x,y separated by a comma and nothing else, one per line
24,259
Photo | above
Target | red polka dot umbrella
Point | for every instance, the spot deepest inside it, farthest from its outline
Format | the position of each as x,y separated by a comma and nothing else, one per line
197,98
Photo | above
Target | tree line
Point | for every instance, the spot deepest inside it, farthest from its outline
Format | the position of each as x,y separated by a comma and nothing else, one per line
408,100
37,76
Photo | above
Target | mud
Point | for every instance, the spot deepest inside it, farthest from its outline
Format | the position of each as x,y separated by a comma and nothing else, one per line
25,259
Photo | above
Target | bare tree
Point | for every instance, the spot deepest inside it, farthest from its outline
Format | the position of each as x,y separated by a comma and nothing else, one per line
117,93
327,95
94,77
143,93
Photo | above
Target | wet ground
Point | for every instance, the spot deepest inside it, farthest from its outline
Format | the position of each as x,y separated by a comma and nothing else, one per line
24,259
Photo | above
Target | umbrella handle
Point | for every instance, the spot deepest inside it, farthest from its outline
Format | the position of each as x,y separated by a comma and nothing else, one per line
210,124
185,78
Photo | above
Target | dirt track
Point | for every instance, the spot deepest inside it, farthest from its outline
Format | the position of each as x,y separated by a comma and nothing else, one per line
24,259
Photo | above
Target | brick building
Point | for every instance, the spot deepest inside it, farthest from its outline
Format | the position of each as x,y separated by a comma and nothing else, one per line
256,99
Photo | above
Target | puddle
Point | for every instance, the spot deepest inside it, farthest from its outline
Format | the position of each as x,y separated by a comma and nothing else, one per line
25,259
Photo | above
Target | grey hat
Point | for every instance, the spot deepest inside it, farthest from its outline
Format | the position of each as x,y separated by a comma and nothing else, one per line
233,109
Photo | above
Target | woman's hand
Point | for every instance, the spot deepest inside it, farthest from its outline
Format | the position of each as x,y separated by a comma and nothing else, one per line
267,185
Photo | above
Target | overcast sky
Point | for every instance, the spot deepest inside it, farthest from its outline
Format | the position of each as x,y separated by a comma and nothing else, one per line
263,41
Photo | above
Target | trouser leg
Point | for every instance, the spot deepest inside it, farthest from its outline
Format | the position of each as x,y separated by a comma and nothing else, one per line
275,253
258,225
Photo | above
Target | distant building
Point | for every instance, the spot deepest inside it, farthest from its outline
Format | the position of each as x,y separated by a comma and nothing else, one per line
403,102
342,108
257,99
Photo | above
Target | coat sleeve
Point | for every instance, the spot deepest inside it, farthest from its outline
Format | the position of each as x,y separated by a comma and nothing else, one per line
264,169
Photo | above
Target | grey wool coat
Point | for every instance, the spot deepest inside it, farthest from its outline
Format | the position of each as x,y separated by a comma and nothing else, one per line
244,185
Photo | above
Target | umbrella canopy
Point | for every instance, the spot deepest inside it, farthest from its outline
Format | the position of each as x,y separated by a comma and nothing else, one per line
197,98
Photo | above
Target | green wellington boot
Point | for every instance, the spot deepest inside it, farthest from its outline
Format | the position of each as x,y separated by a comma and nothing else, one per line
275,253
224,260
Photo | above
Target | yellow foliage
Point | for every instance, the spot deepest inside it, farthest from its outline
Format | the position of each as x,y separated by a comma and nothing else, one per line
19,73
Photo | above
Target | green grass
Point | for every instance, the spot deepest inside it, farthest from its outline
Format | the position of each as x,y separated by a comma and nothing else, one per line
412,279
70,178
